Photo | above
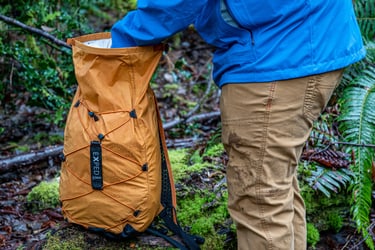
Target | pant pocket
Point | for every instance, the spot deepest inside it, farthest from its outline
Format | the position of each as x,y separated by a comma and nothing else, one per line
319,90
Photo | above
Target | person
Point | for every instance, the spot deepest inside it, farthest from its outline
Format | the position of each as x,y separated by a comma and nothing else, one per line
277,65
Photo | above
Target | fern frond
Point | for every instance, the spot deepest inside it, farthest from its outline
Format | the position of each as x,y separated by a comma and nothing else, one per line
322,134
365,12
357,124
355,70
327,180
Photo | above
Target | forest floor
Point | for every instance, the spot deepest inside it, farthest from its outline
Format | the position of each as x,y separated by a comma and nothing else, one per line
20,228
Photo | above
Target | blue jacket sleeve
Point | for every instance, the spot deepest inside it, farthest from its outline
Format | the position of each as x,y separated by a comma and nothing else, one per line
153,21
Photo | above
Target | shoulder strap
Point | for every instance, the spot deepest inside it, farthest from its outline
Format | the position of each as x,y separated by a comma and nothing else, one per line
168,196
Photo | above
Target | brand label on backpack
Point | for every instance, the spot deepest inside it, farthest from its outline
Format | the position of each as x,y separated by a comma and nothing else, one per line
96,165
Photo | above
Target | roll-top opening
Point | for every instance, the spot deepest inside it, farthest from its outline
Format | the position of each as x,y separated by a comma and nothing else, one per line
101,43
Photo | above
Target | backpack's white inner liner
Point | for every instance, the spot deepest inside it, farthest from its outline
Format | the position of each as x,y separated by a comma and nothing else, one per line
101,43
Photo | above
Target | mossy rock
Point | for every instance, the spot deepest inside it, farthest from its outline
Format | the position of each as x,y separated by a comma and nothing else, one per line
43,196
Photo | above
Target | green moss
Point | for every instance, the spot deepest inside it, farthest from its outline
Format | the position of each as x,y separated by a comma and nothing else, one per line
335,221
74,238
18,147
178,160
48,139
200,208
203,214
196,158
75,242
23,148
181,168
313,235
43,196
215,150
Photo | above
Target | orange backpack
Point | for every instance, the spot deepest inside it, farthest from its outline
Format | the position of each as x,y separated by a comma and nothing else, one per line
116,177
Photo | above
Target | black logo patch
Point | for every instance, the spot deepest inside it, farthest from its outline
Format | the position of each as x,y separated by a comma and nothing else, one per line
96,165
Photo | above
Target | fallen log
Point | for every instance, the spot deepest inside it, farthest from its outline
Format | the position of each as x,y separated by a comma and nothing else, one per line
9,163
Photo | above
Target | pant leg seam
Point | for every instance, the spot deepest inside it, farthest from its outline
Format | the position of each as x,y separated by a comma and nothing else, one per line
268,107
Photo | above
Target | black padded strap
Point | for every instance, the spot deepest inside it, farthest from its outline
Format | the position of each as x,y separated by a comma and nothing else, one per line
167,238
191,241
169,213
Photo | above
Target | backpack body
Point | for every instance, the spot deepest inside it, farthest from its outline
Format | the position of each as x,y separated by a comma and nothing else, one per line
111,173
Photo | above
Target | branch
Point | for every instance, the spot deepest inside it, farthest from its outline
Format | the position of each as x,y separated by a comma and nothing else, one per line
204,116
26,159
182,142
199,117
205,95
40,32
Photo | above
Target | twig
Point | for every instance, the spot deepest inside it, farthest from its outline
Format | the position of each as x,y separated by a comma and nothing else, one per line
370,228
34,30
348,143
206,93
355,144
189,116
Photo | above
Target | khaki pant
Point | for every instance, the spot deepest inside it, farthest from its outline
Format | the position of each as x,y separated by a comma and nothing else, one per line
265,126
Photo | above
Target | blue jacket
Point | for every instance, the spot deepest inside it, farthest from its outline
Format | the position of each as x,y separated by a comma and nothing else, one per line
255,40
